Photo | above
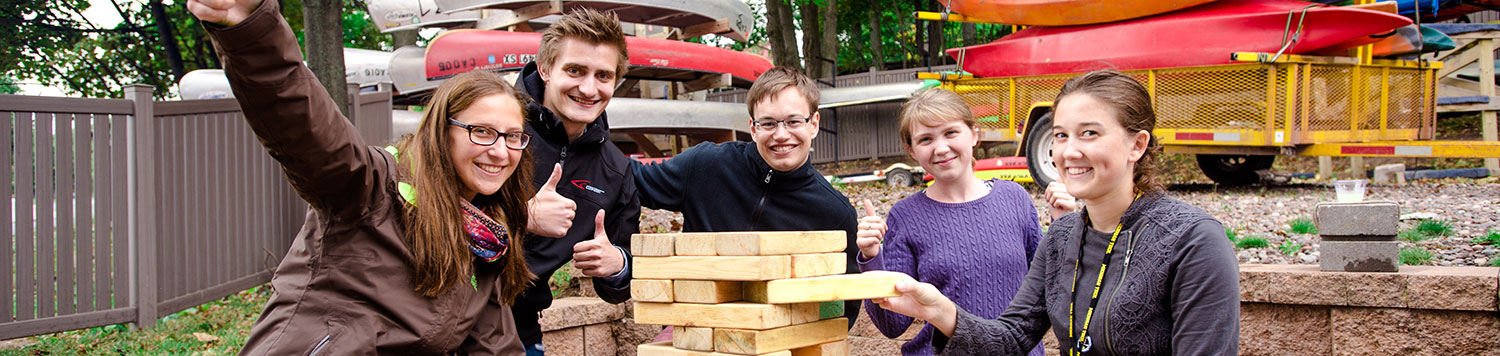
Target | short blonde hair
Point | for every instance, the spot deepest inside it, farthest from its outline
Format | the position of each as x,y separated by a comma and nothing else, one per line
933,107
589,26
778,79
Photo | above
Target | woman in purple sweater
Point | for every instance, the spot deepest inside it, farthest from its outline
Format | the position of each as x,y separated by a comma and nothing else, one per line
972,239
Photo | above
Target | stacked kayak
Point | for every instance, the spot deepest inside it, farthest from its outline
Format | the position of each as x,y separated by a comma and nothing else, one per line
1062,12
459,51
1202,35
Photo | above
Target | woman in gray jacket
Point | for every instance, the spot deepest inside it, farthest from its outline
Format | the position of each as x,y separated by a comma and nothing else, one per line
1170,280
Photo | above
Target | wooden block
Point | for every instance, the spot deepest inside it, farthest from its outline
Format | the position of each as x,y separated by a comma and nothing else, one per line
665,348
839,348
715,268
873,284
651,245
830,310
822,264
690,291
728,315
697,243
691,338
803,313
755,342
651,290
781,243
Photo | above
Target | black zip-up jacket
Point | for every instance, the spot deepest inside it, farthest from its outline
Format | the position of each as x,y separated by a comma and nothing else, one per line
729,187
596,175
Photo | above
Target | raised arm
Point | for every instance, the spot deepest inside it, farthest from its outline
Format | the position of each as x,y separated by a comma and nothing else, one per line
662,185
324,157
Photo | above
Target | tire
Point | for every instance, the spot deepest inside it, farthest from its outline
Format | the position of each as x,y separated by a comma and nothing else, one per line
1234,170
899,177
1039,152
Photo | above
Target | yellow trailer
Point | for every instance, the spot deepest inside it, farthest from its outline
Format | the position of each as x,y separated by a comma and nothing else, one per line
1238,117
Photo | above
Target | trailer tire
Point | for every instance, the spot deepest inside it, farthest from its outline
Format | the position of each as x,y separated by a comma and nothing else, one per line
1234,170
1039,152
899,177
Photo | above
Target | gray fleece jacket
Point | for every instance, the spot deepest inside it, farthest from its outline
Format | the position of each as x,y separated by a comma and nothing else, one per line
1175,290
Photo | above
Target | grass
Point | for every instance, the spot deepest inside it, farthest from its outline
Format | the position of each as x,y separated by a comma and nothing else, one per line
1412,235
561,279
1303,226
1415,256
225,323
1234,236
1289,248
1252,242
1434,228
1492,238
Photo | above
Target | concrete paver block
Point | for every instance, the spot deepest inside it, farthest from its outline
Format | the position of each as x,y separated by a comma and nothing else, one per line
1371,220
1359,256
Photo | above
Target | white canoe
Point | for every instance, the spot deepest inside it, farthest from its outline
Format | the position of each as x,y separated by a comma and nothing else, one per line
397,15
729,18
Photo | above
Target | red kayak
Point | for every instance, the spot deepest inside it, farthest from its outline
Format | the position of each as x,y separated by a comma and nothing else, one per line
1062,12
1197,36
459,51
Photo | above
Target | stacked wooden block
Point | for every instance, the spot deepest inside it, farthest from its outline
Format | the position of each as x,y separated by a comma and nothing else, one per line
747,293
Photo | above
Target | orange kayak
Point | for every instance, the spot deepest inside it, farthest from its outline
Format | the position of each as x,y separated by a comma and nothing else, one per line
1063,12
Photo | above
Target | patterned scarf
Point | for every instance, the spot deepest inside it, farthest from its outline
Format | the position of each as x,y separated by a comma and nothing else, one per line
486,236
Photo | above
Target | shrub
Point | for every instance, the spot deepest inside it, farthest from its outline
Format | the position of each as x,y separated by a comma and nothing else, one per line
1434,228
1412,235
1252,242
1415,256
1492,238
1290,248
1233,235
1303,226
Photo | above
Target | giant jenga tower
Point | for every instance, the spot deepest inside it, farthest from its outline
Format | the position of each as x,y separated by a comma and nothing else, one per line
748,293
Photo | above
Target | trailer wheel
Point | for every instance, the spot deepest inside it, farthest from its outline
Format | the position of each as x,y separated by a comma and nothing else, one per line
1234,170
1039,152
899,177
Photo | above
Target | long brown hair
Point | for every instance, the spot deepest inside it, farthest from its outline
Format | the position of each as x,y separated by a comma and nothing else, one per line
434,225
1131,103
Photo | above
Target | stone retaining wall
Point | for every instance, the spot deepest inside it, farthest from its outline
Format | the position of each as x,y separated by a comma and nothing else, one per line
1284,310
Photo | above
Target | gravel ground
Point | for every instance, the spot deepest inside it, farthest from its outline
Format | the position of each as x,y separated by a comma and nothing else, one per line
1471,207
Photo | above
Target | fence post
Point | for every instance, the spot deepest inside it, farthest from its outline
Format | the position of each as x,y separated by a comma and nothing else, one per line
142,197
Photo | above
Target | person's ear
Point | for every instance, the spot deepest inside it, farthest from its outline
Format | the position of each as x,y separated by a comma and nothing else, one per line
1138,145
812,124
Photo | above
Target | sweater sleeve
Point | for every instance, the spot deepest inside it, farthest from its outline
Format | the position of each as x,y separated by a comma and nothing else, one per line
1205,293
1018,329
896,256
324,158
664,185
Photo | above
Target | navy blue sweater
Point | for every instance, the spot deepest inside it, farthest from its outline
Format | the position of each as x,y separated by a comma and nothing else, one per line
729,187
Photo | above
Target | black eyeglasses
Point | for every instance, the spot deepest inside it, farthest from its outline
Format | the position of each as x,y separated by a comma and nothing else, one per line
769,125
485,136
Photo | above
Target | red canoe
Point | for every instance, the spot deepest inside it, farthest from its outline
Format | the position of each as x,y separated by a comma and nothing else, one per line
1063,12
459,51
1203,35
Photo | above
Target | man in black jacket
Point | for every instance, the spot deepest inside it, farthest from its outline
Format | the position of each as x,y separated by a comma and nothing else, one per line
768,185
584,182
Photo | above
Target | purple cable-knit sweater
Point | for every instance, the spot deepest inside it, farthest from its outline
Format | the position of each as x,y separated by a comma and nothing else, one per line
976,253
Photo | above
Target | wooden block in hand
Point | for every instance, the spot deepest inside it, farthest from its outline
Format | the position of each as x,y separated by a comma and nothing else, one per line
692,338
691,291
755,342
716,268
728,315
665,348
822,264
873,284
651,290
652,245
840,348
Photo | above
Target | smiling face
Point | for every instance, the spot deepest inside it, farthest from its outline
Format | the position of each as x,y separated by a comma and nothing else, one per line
483,169
946,151
784,148
580,82
1094,153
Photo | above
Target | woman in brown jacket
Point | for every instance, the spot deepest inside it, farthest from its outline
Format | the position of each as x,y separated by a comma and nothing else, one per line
416,255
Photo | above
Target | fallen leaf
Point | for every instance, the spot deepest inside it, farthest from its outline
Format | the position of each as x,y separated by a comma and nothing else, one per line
205,337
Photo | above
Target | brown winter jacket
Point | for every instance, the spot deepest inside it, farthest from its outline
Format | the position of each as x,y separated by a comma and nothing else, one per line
345,286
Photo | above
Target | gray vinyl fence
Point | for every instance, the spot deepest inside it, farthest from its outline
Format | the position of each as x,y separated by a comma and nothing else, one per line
854,132
125,210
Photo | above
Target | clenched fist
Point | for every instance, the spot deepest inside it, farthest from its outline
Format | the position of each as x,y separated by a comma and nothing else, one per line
871,232
223,12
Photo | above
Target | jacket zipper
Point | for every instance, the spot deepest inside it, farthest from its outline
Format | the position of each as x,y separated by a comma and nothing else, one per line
321,344
755,217
563,155
1124,269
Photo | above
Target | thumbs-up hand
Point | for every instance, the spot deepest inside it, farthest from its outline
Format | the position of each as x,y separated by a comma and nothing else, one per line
1059,202
550,214
223,12
871,232
598,257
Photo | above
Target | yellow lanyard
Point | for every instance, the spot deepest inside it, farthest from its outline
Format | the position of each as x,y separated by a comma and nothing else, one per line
1082,345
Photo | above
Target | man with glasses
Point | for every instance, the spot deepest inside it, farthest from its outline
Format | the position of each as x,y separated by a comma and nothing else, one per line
765,185
583,181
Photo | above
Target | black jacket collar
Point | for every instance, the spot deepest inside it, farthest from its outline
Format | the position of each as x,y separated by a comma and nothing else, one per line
803,173
549,125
